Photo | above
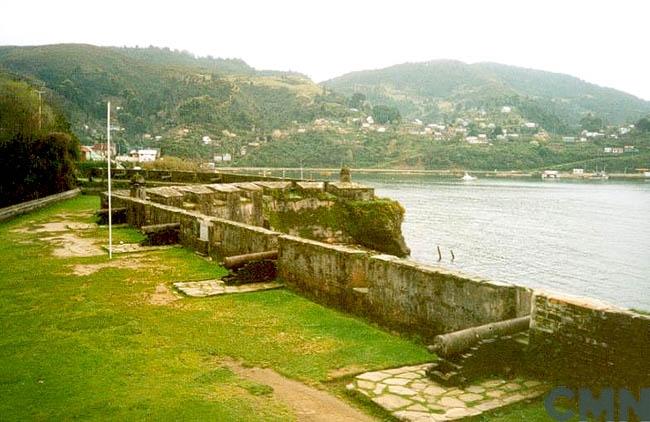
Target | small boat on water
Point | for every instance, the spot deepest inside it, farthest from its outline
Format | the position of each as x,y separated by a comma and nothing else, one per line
550,175
599,175
467,177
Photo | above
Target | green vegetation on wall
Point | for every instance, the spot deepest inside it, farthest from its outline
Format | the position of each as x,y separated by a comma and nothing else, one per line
375,224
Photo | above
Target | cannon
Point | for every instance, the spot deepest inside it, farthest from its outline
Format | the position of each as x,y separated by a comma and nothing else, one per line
476,352
453,343
236,261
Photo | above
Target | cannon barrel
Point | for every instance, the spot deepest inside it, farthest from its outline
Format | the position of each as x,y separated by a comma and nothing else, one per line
453,343
236,261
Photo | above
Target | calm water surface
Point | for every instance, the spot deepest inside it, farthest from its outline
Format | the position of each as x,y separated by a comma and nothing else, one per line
583,238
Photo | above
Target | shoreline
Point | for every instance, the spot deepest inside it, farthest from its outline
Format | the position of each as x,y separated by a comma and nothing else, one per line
514,174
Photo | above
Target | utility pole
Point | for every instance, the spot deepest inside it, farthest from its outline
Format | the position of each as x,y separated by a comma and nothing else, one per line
108,154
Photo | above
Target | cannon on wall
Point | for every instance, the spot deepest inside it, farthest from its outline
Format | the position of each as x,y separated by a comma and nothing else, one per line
490,349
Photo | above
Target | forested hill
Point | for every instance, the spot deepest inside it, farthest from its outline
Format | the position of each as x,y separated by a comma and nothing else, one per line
446,89
160,91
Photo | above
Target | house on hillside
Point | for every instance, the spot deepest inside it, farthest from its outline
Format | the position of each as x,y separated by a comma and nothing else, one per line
102,150
219,158
144,155
86,153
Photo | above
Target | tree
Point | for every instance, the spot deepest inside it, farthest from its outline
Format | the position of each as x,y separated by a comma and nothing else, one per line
385,114
37,151
643,125
38,166
591,123
356,100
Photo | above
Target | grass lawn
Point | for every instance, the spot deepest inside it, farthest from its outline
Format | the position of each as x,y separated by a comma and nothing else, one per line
83,337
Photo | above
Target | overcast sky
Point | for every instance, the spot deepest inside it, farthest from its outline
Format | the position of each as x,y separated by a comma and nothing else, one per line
602,42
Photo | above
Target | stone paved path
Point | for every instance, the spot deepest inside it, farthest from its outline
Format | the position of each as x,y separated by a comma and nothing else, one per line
217,287
410,396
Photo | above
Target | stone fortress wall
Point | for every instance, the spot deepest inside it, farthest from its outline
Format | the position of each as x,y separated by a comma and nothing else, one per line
569,339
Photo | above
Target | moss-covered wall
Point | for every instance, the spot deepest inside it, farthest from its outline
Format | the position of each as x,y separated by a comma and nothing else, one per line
375,223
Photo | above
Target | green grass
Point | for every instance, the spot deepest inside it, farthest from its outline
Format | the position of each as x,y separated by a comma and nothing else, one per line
93,346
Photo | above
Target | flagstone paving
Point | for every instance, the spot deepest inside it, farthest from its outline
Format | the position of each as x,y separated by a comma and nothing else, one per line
217,287
410,396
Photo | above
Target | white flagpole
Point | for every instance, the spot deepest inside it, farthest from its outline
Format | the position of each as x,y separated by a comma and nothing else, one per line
110,210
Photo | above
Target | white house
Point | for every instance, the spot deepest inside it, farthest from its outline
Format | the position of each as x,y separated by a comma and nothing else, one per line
218,158
144,155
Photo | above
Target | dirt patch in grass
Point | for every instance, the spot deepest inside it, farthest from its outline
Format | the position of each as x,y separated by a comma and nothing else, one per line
69,245
132,262
308,403
57,226
162,296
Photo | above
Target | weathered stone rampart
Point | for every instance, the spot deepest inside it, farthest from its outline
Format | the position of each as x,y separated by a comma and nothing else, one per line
396,293
352,214
583,341
571,340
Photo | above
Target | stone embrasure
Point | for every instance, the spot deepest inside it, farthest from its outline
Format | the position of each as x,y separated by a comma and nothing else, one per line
217,287
410,396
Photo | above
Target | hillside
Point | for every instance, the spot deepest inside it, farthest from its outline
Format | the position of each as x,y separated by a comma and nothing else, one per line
165,93
404,151
444,90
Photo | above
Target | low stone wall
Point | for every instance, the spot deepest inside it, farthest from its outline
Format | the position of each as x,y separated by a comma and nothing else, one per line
333,275
581,342
396,293
428,300
574,341
24,207
209,235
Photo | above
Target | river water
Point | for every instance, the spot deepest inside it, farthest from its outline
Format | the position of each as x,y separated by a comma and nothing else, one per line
582,238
